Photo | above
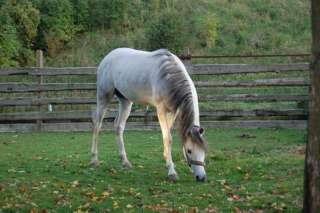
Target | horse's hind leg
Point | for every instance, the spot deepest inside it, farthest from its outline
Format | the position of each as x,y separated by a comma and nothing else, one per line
97,118
124,111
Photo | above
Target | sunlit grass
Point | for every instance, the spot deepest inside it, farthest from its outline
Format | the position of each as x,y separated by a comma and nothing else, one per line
247,169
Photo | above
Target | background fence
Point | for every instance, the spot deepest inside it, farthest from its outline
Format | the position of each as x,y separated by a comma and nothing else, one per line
231,95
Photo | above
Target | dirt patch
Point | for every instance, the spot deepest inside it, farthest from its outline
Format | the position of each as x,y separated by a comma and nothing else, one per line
245,135
298,150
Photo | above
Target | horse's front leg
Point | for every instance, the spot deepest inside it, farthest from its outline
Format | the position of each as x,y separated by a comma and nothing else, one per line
165,125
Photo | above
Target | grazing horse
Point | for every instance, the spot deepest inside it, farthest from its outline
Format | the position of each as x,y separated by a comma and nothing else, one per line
160,79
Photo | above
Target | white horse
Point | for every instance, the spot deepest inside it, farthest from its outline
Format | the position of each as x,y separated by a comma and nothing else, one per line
160,79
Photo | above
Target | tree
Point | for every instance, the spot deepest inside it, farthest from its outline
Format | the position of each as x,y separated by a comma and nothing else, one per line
167,31
56,26
18,27
81,13
312,161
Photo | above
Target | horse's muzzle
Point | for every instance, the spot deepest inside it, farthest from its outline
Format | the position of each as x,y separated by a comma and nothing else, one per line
201,179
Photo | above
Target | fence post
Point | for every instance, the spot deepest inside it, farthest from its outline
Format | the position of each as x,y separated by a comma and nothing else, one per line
39,64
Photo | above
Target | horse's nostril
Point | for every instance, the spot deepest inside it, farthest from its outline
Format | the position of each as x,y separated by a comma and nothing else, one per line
200,179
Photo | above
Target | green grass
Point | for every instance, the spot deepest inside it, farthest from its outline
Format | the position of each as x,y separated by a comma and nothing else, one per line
247,169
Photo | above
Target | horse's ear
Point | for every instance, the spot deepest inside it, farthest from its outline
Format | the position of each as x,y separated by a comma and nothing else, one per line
196,134
197,131
201,131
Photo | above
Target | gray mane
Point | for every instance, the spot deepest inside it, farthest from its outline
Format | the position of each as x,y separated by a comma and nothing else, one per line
179,95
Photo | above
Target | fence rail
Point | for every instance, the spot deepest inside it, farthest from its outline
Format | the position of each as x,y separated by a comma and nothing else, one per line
85,126
197,69
12,95
34,87
21,101
87,114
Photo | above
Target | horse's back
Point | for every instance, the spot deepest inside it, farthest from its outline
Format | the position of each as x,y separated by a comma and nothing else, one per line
132,72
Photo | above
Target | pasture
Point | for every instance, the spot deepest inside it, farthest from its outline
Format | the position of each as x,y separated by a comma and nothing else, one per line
249,170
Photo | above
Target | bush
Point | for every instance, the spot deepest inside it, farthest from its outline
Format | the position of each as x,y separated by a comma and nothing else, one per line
168,30
57,26
18,27
9,43
206,30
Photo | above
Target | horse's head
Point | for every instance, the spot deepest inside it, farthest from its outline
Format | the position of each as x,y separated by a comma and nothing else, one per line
194,150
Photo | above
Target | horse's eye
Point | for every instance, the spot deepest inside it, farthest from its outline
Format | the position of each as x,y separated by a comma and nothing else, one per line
189,151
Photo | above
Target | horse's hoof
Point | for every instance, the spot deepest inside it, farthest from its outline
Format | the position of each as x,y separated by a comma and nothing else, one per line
127,165
173,177
94,163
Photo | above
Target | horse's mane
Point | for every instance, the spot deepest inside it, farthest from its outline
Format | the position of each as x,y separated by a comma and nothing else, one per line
179,96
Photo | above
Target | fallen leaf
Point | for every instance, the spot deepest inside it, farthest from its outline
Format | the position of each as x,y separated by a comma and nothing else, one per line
75,183
237,210
129,206
34,204
115,205
23,189
235,197
193,210
94,198
87,205
105,194
210,209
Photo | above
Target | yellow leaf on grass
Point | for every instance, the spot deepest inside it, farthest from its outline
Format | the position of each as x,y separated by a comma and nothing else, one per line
87,205
75,183
105,194
94,198
115,205
235,197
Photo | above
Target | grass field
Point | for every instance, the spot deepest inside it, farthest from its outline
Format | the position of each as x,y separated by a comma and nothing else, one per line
248,170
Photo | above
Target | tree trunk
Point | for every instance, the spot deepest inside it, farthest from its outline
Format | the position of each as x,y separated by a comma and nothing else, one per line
312,162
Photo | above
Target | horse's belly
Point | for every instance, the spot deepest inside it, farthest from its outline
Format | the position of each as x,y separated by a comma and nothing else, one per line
136,91
138,95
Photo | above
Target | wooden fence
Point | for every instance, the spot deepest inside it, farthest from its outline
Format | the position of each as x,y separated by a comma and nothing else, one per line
44,99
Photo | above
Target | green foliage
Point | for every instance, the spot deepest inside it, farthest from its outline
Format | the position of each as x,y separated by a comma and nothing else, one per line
9,43
167,31
206,30
18,26
81,13
57,26
65,28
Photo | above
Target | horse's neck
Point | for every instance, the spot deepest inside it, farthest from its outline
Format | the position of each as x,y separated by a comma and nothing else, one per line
196,119
195,109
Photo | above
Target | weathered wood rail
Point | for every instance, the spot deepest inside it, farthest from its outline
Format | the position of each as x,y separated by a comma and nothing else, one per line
196,69
34,87
12,95
32,101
